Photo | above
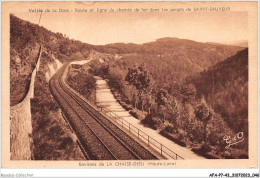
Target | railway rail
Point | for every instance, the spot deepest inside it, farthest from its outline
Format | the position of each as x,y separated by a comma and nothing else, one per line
99,138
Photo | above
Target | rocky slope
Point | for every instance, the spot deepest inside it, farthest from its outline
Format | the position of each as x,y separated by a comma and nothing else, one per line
25,39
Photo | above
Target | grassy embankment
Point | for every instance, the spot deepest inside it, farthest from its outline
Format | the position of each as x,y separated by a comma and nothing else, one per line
52,137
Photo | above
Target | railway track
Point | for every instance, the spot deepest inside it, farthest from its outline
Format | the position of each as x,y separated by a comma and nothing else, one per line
99,138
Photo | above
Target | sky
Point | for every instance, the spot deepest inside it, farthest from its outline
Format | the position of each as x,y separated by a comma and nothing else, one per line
105,28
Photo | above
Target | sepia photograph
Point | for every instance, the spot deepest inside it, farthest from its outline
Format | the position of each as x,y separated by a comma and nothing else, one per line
135,81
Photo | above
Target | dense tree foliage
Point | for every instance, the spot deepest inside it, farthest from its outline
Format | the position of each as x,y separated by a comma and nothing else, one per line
141,80
203,113
83,82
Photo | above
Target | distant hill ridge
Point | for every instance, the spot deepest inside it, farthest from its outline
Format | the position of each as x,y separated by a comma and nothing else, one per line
185,57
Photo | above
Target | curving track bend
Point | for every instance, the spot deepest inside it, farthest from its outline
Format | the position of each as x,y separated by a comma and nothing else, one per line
100,139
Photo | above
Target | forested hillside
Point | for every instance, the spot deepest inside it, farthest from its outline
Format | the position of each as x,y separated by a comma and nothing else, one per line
25,40
225,87
183,109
